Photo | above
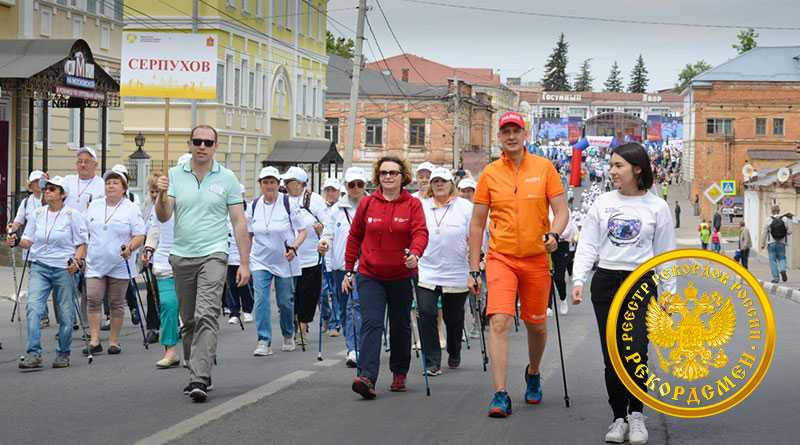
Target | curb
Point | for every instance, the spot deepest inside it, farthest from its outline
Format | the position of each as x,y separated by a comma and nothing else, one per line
787,293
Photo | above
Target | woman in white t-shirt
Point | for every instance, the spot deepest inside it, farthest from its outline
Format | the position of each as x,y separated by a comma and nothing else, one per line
116,230
623,229
56,237
443,269
277,230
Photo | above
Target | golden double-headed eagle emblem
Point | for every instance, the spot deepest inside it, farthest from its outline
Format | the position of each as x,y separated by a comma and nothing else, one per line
696,344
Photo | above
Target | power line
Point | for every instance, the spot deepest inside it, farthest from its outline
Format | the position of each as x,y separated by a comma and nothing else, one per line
396,40
600,19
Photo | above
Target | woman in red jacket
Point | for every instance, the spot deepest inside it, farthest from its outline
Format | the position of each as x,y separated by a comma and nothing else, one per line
386,224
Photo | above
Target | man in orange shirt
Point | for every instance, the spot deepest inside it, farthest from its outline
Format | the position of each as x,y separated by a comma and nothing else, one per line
519,189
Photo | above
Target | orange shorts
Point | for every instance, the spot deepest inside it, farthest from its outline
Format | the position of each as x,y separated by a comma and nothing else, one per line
508,276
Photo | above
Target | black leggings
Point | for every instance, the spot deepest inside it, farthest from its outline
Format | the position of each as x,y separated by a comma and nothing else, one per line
307,292
604,285
453,315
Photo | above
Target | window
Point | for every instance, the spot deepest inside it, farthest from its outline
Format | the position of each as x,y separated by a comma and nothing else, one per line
257,88
603,110
73,136
237,74
220,83
47,22
289,15
244,84
321,101
118,10
264,91
761,126
374,132
777,126
305,99
280,96
91,6
577,112
245,6
719,127
634,111
229,86
310,16
660,111
260,8
551,112
314,102
332,129
39,125
101,7
404,75
105,37
277,14
320,22
251,90
62,2
416,135
77,27
298,105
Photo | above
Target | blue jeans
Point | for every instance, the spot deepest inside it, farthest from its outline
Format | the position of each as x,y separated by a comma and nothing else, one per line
338,299
349,307
777,259
284,294
44,279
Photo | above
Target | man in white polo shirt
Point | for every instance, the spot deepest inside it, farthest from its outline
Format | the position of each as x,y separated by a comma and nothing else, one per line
86,185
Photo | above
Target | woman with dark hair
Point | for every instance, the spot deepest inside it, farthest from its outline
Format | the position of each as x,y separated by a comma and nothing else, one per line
623,229
387,237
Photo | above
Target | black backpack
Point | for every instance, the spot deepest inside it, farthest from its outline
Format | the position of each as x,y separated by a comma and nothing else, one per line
777,228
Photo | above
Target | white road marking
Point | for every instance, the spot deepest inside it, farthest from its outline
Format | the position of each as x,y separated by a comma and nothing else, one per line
187,426
327,363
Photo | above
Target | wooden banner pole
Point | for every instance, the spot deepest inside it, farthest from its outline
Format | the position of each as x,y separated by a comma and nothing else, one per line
165,167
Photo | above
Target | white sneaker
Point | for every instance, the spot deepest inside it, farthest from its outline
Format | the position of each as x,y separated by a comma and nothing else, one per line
563,307
247,317
226,311
263,349
288,344
549,312
638,431
351,359
233,320
617,431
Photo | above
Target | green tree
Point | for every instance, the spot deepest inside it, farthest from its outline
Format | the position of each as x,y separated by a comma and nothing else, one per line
689,72
747,40
339,46
585,79
555,71
614,82
639,78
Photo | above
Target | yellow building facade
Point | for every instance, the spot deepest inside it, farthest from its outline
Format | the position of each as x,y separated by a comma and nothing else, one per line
270,78
99,23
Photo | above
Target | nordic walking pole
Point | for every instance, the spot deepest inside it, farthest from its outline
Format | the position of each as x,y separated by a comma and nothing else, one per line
516,314
466,337
319,352
76,305
386,347
480,322
421,345
132,282
558,328
18,286
355,333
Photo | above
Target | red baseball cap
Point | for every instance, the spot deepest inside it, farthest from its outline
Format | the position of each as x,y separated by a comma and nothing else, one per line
512,117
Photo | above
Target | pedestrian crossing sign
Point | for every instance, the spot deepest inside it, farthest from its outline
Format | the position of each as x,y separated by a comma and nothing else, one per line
728,187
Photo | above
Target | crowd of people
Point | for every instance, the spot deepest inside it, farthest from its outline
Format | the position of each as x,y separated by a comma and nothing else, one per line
388,261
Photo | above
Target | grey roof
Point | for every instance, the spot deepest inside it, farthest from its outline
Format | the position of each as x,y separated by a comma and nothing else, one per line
760,64
770,177
373,83
21,59
773,154
304,151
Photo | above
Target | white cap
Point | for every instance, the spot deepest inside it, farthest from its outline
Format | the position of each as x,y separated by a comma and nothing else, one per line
242,189
89,150
332,183
119,168
425,166
269,172
115,174
35,175
296,174
185,158
441,173
355,174
59,181
467,183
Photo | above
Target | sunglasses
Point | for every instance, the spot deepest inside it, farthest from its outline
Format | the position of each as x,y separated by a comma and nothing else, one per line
389,173
355,184
207,142
52,188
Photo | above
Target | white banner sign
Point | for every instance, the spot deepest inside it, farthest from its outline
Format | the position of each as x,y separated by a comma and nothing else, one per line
175,65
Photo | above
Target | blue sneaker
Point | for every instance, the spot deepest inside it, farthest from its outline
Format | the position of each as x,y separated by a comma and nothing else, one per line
500,406
533,390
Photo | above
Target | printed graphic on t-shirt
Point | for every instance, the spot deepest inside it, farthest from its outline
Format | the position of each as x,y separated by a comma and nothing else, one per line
624,227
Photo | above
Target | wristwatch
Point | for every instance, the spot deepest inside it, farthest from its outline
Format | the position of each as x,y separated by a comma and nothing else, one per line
348,274
555,235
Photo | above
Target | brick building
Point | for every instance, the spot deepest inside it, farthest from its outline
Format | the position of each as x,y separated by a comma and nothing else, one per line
747,109
414,121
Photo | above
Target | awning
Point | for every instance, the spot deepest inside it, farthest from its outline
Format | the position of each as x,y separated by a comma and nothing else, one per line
305,151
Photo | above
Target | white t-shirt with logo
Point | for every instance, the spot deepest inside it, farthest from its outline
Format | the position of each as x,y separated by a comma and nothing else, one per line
55,235
109,229
308,254
271,230
445,261
80,192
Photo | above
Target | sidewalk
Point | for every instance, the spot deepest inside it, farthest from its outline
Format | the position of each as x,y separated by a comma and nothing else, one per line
687,237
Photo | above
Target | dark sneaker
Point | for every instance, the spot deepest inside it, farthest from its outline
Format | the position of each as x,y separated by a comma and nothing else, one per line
453,361
96,349
398,383
784,277
533,390
61,361
188,388
198,392
364,387
135,319
152,337
30,361
114,349
500,406
45,322
433,371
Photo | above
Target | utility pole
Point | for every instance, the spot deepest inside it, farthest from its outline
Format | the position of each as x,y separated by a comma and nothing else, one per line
456,129
195,14
357,60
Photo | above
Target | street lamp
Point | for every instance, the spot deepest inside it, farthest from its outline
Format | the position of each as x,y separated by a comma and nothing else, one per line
142,160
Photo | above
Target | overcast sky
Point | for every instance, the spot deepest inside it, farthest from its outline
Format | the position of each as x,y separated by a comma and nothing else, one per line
514,43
